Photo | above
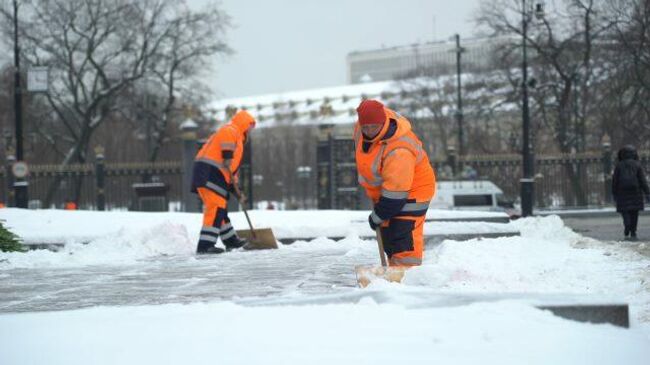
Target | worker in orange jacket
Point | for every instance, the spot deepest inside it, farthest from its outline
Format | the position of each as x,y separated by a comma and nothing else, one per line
395,171
215,174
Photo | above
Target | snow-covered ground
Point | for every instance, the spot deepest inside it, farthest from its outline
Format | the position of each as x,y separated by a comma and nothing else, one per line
135,293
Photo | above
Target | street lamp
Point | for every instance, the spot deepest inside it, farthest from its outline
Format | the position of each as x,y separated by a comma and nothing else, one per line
459,111
528,180
20,184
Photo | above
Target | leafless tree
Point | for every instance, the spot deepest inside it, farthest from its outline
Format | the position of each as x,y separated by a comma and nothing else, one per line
182,58
428,96
625,113
424,97
566,61
96,50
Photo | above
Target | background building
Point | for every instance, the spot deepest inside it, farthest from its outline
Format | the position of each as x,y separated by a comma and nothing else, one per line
434,59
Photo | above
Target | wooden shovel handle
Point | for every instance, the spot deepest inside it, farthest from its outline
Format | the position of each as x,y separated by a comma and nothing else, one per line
238,193
380,243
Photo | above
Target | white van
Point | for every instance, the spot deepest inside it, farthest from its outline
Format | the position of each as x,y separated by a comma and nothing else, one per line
470,195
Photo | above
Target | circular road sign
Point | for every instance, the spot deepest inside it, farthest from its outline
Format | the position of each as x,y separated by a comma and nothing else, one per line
20,169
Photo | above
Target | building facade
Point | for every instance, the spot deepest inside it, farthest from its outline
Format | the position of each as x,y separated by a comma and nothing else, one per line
431,59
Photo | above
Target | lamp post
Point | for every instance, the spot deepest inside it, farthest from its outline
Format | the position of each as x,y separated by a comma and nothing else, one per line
459,111
20,184
528,180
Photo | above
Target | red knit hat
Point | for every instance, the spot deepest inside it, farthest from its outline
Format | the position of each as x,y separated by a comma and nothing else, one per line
371,112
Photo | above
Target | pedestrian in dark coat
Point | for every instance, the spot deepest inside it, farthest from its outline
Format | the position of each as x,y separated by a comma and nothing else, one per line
628,188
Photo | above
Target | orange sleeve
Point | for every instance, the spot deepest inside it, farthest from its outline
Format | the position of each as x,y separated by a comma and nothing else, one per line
398,170
227,140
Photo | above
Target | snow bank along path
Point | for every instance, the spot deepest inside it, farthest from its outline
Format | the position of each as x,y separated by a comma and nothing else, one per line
153,265
60,226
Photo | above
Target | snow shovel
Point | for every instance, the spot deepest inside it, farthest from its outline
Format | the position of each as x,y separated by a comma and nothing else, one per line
258,239
366,274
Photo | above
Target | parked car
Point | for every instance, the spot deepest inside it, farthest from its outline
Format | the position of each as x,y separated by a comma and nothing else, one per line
470,195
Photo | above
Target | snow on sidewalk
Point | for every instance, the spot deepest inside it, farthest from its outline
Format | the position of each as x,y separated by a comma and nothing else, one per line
142,275
365,333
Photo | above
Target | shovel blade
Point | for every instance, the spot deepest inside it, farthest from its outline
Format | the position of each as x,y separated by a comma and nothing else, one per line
263,240
366,274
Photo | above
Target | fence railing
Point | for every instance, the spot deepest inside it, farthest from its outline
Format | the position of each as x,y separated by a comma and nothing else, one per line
576,180
561,181
96,186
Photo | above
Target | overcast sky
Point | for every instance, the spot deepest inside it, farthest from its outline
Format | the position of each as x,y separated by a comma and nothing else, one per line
284,45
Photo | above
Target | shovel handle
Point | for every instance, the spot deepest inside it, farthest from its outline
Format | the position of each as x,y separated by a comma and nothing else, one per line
250,224
380,243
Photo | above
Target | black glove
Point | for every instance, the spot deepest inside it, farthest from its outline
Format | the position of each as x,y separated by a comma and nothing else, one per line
373,225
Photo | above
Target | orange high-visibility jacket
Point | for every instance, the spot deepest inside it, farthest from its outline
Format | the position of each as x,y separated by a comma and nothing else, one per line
227,143
394,169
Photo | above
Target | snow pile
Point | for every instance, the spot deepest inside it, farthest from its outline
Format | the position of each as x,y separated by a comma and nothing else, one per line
547,258
61,226
118,238
79,226
126,246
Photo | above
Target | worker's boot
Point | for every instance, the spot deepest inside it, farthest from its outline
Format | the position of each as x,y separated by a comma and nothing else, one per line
234,242
208,248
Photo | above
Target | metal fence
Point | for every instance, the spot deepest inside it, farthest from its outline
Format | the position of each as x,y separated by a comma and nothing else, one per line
52,186
337,174
104,185
562,181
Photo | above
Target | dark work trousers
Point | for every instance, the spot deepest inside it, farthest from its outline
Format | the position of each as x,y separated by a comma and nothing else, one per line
630,220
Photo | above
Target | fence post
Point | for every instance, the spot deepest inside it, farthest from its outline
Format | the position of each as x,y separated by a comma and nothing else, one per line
99,178
189,137
451,159
607,167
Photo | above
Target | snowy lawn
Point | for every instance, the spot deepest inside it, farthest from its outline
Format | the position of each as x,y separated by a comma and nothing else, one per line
136,294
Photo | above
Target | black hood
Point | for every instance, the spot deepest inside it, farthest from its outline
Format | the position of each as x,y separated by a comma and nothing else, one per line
628,153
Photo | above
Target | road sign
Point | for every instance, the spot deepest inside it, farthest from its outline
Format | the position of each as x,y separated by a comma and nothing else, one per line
37,79
20,169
